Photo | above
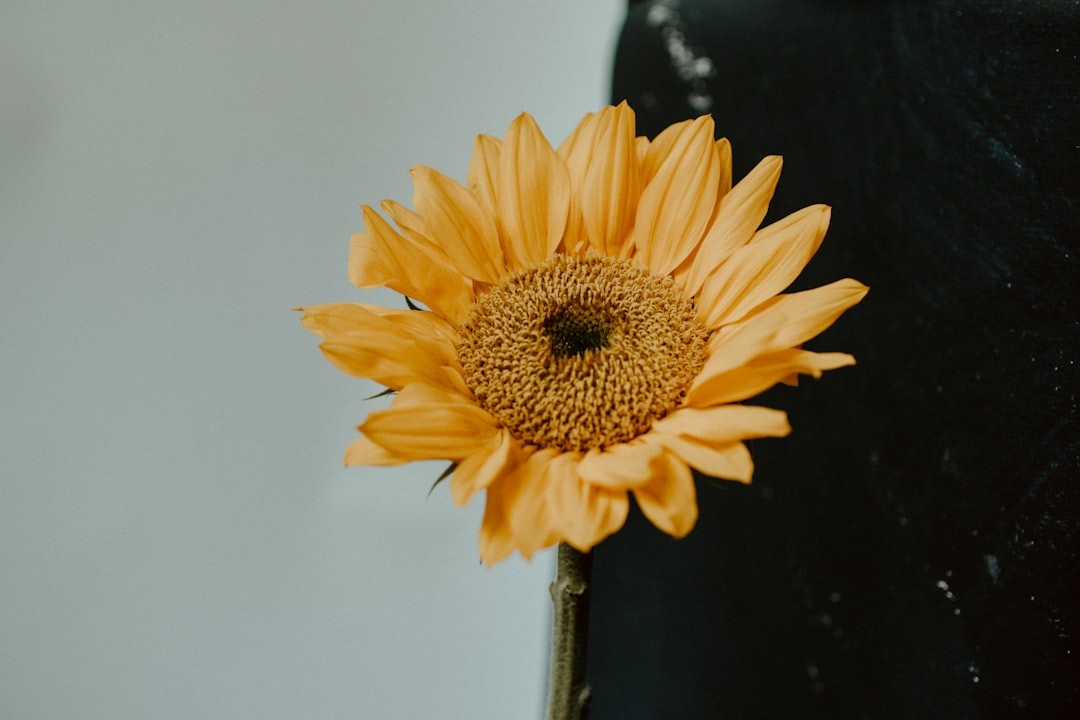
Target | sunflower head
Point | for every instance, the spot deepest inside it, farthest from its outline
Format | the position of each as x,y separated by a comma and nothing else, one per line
581,353
596,316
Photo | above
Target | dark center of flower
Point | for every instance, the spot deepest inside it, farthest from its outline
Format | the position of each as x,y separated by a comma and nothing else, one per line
576,329
580,353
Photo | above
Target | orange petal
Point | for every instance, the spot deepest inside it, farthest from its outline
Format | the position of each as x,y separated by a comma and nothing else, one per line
485,466
758,376
533,195
609,190
524,496
378,364
724,424
577,149
496,539
413,228
810,312
429,423
681,274
723,152
585,514
760,270
737,345
652,154
579,144
641,149
335,319
435,337
365,452
669,500
676,205
621,466
363,344
739,215
380,257
577,152
459,224
730,461
483,173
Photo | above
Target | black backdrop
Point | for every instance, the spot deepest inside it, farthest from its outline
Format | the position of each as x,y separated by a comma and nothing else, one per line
913,549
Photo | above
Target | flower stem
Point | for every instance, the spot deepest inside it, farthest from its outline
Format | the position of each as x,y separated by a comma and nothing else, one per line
568,691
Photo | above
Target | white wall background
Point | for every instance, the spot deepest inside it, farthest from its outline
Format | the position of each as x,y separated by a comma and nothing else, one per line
178,537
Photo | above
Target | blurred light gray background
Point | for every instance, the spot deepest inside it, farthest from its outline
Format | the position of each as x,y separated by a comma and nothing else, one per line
178,537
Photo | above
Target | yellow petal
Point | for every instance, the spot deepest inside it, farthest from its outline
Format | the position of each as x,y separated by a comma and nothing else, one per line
756,272
724,424
435,337
365,452
380,365
730,461
609,191
429,423
483,467
621,466
577,152
669,500
335,319
749,380
676,205
723,153
380,257
810,312
412,227
364,344
483,173
585,514
533,195
524,496
652,154
739,215
737,345
459,224
496,539
681,274
641,149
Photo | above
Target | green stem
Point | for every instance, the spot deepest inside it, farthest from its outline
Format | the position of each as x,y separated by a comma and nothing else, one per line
568,691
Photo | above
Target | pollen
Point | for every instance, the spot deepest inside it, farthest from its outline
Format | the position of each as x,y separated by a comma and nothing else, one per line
581,353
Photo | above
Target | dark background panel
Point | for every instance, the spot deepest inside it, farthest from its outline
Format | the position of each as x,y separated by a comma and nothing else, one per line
913,549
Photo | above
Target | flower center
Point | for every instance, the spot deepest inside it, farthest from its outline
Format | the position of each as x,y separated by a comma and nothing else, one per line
580,353
576,329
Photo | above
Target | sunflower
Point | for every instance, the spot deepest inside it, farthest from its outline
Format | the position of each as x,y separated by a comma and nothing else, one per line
595,316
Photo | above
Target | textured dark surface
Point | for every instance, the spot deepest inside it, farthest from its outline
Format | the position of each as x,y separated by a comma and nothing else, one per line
913,549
